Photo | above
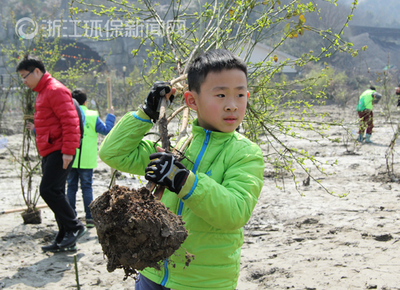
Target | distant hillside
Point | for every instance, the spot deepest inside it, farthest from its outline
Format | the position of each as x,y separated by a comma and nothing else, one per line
376,12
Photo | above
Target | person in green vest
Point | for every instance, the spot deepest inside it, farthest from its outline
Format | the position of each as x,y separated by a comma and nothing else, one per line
364,108
86,155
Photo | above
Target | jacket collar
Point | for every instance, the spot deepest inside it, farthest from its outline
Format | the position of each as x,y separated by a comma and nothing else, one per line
219,137
43,82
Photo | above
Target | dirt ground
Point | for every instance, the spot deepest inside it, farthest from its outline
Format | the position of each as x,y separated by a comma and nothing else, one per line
312,240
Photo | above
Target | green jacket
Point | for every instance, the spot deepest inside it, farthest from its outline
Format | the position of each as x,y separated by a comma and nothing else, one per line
86,157
366,101
216,201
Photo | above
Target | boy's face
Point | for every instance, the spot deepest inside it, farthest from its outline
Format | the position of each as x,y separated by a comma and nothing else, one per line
221,103
31,78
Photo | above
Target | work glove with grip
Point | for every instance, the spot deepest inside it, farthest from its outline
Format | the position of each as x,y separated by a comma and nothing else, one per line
165,170
152,103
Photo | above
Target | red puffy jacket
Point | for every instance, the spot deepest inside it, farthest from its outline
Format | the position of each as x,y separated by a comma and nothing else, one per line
56,119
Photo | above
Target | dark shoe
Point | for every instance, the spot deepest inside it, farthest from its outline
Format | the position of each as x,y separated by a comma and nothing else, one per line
71,248
71,237
89,223
50,248
54,248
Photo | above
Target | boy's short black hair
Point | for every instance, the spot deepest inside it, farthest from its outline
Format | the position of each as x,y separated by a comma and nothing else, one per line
212,61
79,96
29,63
372,87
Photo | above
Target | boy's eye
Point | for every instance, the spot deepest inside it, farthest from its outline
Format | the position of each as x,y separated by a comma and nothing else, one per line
241,96
221,96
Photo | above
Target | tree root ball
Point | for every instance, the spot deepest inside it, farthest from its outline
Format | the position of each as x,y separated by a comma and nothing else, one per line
135,230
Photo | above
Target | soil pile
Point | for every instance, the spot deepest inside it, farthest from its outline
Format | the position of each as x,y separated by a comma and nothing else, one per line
135,230
32,217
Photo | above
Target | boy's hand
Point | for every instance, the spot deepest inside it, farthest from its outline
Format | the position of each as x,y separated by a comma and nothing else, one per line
164,169
29,126
152,102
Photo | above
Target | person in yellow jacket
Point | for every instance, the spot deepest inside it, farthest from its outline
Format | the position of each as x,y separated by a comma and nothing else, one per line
215,188
86,155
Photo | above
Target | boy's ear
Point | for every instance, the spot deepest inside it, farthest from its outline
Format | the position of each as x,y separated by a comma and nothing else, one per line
190,100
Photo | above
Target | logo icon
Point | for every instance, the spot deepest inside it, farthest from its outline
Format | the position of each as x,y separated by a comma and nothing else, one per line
29,32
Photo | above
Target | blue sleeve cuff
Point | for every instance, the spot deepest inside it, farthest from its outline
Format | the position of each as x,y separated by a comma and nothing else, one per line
139,116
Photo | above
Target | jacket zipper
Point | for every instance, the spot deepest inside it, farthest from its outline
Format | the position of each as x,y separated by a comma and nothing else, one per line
79,160
180,208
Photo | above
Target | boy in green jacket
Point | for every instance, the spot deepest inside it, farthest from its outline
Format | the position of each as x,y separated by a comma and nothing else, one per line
215,189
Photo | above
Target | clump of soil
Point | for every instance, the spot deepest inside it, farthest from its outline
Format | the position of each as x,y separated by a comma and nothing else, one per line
135,230
32,217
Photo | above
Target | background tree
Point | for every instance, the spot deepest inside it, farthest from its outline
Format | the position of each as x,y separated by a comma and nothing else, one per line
278,108
5,93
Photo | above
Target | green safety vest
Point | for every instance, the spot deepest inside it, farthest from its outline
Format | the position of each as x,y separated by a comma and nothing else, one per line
86,157
365,101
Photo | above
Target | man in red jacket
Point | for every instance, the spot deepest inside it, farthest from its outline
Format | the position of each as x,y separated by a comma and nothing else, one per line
57,137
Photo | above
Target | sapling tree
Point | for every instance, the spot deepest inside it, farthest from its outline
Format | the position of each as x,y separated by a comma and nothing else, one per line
389,100
5,92
278,108
385,84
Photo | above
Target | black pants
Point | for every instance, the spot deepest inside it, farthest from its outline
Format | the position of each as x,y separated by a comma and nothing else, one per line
52,190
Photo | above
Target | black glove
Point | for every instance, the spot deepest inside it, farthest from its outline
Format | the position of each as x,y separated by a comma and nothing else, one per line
152,103
398,102
164,169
